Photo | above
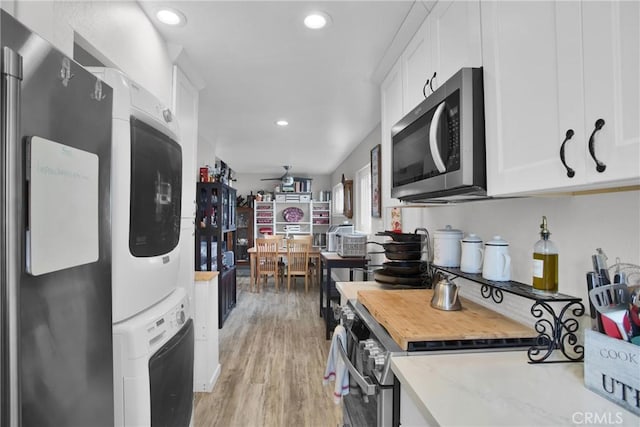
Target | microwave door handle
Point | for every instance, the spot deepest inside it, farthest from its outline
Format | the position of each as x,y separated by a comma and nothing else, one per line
433,139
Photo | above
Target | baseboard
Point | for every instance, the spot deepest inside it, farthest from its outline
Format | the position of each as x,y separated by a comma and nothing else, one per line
214,377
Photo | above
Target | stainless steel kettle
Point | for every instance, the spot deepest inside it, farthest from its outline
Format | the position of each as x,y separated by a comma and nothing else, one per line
445,296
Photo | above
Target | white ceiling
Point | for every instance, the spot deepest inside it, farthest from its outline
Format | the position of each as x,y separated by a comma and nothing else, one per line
258,63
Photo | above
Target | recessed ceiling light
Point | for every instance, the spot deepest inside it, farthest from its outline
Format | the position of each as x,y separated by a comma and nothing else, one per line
316,20
171,17
282,123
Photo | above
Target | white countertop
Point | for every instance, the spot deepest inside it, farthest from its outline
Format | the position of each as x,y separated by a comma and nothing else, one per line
498,388
502,389
349,290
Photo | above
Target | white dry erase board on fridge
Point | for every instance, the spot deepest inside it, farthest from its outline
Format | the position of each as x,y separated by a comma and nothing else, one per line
63,206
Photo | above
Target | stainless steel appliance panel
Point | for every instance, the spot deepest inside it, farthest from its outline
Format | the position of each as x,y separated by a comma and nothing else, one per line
455,137
65,340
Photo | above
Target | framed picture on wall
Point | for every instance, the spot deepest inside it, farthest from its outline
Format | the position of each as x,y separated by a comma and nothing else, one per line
376,203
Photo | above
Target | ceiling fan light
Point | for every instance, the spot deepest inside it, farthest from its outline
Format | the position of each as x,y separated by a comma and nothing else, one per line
287,180
282,123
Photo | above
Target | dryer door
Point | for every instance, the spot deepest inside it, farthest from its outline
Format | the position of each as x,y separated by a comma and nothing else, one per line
171,380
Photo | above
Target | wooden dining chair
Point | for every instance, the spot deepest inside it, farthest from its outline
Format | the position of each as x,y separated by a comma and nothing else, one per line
268,261
298,261
313,268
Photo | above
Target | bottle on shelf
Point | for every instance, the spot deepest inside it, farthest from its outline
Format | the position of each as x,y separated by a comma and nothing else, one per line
545,261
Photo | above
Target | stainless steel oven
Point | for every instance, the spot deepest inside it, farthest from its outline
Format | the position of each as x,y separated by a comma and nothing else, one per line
374,392
372,385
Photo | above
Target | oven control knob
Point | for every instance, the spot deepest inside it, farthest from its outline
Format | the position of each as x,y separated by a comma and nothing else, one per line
167,115
375,361
371,351
180,317
367,344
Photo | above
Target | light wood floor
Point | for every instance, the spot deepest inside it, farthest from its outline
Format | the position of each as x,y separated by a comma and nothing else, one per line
273,355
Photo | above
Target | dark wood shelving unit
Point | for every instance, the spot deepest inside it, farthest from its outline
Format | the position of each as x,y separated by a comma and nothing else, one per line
215,240
244,233
556,333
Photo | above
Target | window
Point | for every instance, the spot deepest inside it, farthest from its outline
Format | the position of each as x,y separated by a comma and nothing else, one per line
338,199
363,199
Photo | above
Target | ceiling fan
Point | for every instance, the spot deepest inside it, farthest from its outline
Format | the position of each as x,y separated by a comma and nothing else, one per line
286,179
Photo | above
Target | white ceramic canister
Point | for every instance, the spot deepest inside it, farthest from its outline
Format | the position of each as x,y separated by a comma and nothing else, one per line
446,247
472,254
497,262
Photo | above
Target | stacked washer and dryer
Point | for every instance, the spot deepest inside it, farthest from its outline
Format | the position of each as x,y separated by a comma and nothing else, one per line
153,337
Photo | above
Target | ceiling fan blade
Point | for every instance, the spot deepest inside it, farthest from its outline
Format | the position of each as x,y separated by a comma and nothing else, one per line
270,179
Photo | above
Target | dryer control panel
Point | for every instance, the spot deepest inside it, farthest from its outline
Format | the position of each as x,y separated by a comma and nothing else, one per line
166,326
148,331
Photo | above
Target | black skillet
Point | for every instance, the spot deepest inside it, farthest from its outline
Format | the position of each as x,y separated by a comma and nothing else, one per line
395,247
405,267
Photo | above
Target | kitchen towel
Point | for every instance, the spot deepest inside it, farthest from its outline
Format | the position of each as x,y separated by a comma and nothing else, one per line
336,368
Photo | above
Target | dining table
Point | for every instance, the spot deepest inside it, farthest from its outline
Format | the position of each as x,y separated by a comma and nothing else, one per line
314,255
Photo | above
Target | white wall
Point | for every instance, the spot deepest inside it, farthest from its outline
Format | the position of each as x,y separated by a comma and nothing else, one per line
247,182
206,152
356,160
119,30
578,225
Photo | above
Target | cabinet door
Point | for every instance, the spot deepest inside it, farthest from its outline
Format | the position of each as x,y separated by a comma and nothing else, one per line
392,111
187,256
455,34
611,32
416,69
186,109
527,110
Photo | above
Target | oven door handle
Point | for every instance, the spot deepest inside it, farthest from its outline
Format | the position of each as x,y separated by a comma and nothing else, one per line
364,382
433,138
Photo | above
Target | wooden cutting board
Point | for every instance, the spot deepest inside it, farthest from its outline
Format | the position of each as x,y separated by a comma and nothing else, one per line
407,316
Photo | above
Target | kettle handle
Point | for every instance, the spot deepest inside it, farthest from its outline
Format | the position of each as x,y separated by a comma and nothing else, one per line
507,264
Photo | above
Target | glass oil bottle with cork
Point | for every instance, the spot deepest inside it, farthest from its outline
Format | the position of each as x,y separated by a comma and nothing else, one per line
545,262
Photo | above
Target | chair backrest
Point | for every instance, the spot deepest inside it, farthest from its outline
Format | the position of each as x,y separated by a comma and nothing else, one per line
273,237
304,237
277,237
267,251
298,256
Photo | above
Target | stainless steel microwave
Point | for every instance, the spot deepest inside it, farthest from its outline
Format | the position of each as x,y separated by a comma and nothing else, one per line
438,149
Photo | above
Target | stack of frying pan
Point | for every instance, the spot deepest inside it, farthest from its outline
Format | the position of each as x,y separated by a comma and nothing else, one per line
406,265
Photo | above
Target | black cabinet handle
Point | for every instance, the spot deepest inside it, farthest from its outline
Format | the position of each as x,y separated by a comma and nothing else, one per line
429,83
570,172
600,167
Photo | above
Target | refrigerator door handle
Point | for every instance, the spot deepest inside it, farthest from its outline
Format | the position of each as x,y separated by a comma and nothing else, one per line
11,241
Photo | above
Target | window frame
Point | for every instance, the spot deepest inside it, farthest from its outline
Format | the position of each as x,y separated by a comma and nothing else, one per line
337,200
362,203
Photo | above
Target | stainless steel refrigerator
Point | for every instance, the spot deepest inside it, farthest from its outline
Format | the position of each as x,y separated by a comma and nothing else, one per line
55,301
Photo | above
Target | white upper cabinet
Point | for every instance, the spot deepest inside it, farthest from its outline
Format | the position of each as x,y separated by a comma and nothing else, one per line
186,98
455,36
524,121
416,64
392,111
449,39
611,32
551,70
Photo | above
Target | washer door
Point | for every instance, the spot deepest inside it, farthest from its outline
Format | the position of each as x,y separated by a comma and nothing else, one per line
171,380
